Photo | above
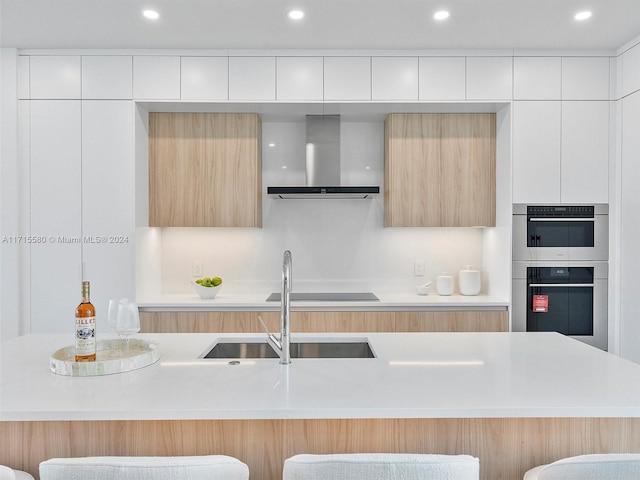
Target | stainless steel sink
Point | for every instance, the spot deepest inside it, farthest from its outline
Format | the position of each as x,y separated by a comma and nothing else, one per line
329,349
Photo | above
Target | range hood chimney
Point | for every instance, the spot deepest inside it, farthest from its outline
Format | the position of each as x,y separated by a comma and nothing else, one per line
323,174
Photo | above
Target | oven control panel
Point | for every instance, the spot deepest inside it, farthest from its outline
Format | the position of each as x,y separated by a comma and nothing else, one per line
560,211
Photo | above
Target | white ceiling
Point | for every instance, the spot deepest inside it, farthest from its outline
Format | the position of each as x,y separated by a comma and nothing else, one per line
328,24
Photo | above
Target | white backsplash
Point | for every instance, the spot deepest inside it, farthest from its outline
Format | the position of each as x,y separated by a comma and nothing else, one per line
343,257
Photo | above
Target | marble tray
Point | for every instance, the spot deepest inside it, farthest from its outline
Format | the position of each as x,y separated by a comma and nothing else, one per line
112,356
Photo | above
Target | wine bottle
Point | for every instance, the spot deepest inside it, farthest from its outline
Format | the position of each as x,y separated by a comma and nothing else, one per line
85,327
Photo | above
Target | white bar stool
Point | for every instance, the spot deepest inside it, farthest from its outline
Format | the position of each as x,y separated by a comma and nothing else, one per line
7,473
608,466
381,466
208,467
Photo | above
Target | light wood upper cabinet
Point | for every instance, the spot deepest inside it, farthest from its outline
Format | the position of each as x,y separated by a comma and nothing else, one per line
205,170
440,170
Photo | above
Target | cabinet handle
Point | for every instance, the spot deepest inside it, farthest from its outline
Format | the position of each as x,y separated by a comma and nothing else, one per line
562,219
532,285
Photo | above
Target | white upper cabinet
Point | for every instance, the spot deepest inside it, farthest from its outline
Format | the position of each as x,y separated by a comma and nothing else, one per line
441,78
536,152
630,71
561,152
537,78
394,78
585,152
347,78
156,77
55,77
585,78
23,78
489,78
107,77
252,78
204,78
300,78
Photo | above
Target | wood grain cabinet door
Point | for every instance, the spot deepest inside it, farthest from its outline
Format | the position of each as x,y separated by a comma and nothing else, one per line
232,171
440,170
205,170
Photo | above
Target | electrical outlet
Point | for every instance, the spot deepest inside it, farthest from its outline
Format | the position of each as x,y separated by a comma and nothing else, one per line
418,268
196,269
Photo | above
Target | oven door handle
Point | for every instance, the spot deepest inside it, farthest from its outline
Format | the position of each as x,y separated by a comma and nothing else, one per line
532,285
562,219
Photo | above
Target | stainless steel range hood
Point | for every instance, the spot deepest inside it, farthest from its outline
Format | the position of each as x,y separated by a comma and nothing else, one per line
323,172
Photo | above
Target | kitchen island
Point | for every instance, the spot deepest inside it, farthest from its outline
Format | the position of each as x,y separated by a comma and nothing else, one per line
513,400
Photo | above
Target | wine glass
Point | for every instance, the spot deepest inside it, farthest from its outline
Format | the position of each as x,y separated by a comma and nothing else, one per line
112,315
128,320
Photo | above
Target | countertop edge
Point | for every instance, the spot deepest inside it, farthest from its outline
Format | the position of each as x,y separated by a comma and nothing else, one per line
387,302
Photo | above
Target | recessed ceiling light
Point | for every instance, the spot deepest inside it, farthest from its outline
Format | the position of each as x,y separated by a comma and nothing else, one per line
272,144
151,14
296,14
441,15
583,15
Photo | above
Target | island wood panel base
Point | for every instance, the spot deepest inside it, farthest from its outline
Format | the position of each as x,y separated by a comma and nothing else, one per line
247,322
506,447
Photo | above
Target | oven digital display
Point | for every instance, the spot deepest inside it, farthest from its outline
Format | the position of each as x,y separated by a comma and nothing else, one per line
559,272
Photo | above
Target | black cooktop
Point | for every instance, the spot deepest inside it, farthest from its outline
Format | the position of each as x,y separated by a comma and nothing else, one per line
327,297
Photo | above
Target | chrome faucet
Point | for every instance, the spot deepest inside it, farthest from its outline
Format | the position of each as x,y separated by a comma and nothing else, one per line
282,345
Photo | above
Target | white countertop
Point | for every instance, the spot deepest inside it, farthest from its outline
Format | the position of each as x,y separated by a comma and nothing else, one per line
415,375
257,301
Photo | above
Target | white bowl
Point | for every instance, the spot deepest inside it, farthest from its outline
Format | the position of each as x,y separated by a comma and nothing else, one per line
422,289
206,292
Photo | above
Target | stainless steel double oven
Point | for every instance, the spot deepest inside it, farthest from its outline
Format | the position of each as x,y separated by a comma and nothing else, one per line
560,270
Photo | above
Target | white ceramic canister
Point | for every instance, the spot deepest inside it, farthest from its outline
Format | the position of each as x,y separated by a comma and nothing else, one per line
444,284
469,281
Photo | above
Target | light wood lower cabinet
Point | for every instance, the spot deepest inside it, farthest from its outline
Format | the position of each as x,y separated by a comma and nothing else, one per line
460,321
204,322
339,322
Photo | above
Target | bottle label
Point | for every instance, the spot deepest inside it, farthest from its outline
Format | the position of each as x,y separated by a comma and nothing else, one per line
85,335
